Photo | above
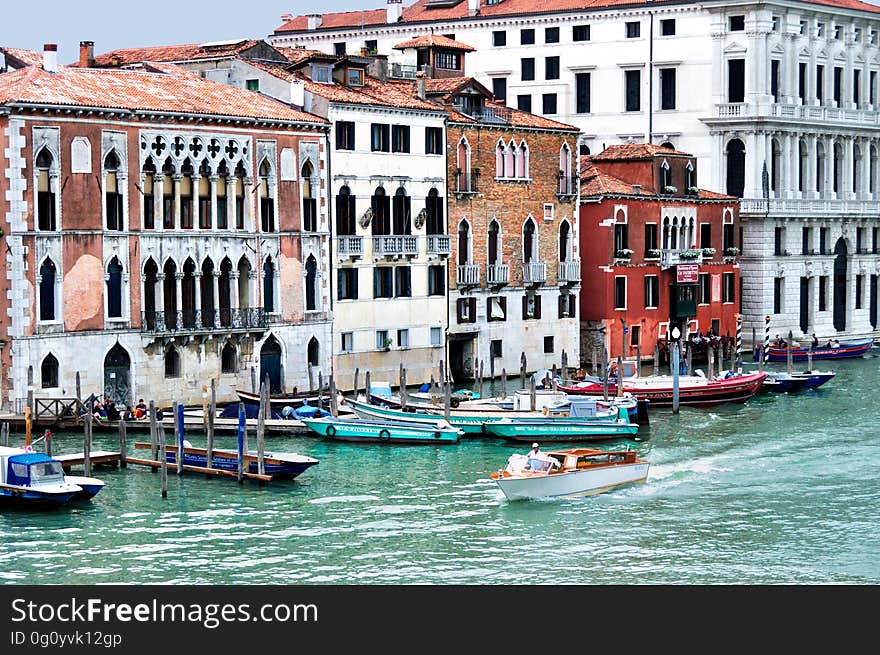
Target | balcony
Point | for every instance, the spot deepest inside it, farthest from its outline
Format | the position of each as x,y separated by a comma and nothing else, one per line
498,274
350,246
467,275
566,188
404,71
485,114
395,246
534,273
569,272
439,244
869,117
819,206
465,183
675,257
196,320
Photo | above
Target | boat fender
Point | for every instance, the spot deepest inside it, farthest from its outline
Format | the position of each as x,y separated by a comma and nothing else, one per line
437,434
331,431
384,434
453,402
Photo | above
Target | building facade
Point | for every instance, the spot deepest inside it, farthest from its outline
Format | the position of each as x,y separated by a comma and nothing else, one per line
155,239
793,88
657,251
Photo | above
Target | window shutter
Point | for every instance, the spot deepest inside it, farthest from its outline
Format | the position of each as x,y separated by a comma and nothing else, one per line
525,307
537,306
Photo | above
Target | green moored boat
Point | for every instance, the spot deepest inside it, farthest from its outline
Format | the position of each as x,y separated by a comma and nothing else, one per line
384,431
563,429
469,423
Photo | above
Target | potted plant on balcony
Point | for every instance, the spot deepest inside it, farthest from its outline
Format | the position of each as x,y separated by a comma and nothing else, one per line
386,345
693,190
708,252
733,251
652,253
690,254
669,189
623,253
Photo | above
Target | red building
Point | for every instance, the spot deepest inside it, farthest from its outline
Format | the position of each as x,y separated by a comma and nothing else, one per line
657,251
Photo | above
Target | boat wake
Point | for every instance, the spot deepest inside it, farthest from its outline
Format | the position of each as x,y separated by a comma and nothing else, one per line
343,499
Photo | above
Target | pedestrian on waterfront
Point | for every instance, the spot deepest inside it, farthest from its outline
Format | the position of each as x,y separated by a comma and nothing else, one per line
815,340
140,410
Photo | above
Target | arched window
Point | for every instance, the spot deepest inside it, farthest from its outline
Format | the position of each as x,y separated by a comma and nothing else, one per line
402,218
584,149
114,289
522,161
169,295
112,195
149,198
500,159
856,165
229,359
314,352
736,168
345,213
434,223
665,176
530,242
172,363
49,372
494,244
464,243
872,170
311,284
168,171
47,290
381,212
204,193
208,302
240,204
667,144
775,167
187,195
510,160
690,174
269,286
309,199
224,299
46,218
802,166
267,202
564,241
820,167
565,181
222,205
838,168
463,166
244,283
188,294
151,277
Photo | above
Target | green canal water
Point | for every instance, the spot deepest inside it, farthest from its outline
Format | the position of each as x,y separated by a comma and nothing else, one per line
782,489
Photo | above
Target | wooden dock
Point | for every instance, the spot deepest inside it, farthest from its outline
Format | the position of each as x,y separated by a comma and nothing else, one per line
102,457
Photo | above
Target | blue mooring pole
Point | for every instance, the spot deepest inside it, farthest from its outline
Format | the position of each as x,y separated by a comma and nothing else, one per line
242,417
179,416
676,366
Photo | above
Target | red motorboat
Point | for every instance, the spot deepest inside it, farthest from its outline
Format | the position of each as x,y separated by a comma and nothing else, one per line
694,390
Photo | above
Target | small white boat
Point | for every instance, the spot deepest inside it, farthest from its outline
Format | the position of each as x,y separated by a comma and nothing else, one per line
35,479
569,473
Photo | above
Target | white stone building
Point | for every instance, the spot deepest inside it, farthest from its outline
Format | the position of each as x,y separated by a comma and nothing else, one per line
790,86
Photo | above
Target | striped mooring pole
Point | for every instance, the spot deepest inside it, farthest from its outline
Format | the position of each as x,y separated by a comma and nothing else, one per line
765,356
739,343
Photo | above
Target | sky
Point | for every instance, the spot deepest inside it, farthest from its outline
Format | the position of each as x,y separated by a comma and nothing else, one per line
31,23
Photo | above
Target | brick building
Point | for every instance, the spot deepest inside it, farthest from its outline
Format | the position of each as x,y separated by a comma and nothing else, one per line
154,235
657,250
515,280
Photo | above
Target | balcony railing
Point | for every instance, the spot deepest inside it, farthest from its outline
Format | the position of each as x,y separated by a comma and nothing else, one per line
675,257
826,207
466,182
439,244
566,185
350,246
569,271
194,320
798,112
467,275
395,246
498,273
485,114
534,273
404,71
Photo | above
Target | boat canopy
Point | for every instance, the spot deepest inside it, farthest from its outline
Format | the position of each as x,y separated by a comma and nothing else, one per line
33,468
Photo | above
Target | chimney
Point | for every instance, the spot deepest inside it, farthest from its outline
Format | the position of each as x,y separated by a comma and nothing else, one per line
286,17
315,21
420,85
297,93
86,54
50,57
473,7
637,189
394,12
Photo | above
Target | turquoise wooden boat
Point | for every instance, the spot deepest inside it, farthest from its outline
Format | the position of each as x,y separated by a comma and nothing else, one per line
563,429
384,431
468,423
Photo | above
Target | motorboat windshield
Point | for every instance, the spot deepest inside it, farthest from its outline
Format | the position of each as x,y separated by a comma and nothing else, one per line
46,472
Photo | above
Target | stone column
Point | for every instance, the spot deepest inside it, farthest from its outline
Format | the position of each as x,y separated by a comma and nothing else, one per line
178,278
812,170
233,290
177,178
158,201
213,182
848,168
252,288
788,174
216,276
195,200
159,295
248,205
863,190
829,168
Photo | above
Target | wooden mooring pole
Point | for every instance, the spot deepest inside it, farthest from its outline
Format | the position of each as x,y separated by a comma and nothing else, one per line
154,434
522,370
533,400
178,434
357,374
209,432
503,383
402,391
480,385
163,461
261,429
87,445
242,429
367,390
334,402
447,399
123,457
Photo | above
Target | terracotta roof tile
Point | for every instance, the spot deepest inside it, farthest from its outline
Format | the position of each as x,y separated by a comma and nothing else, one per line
157,87
596,182
172,53
635,151
24,57
420,12
299,55
434,41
